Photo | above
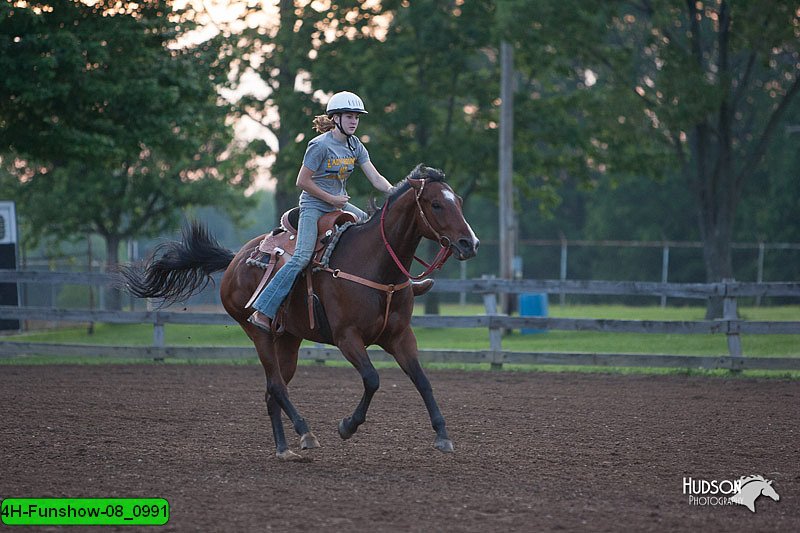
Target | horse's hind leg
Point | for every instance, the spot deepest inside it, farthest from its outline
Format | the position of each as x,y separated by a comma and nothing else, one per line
286,347
280,362
404,349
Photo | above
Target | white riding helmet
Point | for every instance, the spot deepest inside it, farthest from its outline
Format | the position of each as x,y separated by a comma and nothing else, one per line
345,102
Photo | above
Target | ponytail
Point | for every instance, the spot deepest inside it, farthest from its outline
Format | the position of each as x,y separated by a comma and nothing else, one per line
323,123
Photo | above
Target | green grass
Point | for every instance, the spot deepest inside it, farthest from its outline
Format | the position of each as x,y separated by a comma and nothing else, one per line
626,312
598,342
594,342
477,338
139,335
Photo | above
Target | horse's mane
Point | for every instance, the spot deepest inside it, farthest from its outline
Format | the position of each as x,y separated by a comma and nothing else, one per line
744,480
419,172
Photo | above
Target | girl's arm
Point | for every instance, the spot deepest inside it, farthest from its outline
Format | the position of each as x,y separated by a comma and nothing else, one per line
307,184
378,181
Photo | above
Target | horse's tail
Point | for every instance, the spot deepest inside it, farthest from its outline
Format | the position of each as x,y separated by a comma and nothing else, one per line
178,269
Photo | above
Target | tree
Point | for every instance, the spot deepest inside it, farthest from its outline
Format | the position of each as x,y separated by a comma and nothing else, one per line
110,127
277,46
428,75
656,85
770,202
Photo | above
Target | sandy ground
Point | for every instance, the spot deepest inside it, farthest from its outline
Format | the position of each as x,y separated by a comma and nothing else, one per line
534,451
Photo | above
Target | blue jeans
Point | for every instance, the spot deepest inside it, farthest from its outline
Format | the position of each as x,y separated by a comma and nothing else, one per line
278,288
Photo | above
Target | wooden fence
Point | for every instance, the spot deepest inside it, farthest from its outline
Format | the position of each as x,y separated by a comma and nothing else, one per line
730,325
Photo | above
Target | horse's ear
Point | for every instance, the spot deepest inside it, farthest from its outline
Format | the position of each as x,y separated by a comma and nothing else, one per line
372,206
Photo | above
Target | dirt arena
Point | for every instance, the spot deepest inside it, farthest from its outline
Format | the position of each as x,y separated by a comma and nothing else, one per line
534,451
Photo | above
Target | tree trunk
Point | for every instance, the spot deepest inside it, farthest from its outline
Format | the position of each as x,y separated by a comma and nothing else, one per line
285,196
716,230
285,172
719,265
717,196
113,294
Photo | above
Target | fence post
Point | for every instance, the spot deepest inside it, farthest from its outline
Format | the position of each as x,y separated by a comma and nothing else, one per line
462,297
320,361
731,317
563,270
664,271
495,334
158,330
760,273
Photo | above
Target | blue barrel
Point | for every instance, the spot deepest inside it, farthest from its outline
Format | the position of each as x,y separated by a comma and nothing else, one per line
533,304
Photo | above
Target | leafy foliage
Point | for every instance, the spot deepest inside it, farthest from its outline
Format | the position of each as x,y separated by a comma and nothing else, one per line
429,81
633,119
277,50
687,91
108,126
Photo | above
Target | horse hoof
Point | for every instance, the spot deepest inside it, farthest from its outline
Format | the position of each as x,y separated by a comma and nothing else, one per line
444,445
343,432
308,441
289,455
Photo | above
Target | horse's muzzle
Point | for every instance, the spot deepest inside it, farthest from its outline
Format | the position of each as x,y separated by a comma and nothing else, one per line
466,248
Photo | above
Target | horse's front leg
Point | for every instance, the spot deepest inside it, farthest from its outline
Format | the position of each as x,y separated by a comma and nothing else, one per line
274,412
403,348
354,351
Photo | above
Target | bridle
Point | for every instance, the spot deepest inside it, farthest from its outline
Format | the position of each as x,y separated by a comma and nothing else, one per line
442,255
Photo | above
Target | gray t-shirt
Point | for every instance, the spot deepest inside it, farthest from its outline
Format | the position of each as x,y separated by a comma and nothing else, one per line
332,162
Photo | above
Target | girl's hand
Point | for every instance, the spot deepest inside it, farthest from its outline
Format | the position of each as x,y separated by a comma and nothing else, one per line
339,201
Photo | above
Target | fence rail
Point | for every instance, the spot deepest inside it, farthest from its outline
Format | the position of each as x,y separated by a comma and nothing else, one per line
731,325
424,321
621,288
484,285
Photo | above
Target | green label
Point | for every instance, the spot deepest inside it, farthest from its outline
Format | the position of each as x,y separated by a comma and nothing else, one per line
85,511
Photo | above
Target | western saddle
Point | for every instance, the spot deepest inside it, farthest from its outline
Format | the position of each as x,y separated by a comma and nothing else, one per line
279,245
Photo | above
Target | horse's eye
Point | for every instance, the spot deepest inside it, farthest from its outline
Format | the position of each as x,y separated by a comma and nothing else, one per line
436,205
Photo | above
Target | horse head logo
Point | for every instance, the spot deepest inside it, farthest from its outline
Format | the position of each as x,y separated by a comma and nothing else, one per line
751,488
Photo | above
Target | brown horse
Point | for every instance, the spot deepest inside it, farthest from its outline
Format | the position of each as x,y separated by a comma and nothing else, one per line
364,296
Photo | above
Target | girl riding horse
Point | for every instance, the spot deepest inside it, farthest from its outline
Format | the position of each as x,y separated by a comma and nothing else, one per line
329,160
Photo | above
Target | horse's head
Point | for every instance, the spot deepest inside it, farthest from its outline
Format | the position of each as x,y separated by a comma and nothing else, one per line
440,215
768,490
751,488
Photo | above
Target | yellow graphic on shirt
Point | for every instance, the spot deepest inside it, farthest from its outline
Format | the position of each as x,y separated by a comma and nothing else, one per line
345,167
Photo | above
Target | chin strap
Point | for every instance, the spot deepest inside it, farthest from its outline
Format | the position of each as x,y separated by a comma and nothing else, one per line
347,136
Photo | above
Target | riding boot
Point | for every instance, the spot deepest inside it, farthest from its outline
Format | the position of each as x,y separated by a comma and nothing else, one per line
261,321
421,287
